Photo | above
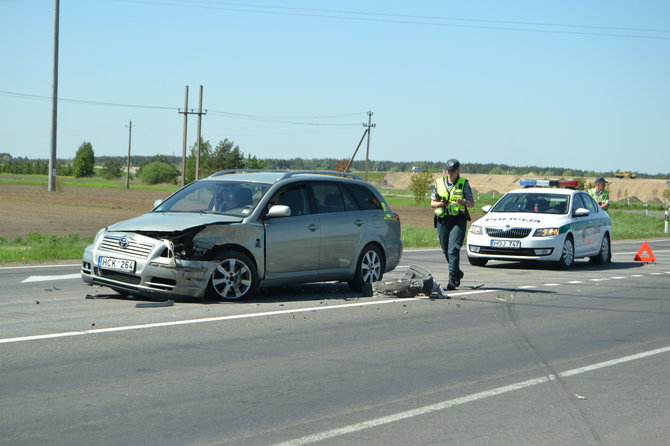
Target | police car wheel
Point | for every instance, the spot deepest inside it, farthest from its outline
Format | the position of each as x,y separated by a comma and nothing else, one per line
567,253
605,254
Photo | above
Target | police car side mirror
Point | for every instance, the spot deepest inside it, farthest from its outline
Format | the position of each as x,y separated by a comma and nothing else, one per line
486,208
582,212
157,203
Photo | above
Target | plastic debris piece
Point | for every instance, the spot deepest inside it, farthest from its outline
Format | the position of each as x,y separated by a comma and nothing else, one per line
164,303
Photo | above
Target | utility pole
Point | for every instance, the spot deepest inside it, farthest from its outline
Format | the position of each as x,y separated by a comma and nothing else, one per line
130,132
365,132
197,159
186,112
183,149
54,103
369,127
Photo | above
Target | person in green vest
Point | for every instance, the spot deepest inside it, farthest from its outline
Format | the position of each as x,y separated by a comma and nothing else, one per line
451,198
600,195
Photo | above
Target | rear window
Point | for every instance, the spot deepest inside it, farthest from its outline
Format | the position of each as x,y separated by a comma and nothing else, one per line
365,198
330,197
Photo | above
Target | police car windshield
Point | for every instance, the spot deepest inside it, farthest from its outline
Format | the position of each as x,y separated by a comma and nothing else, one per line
537,203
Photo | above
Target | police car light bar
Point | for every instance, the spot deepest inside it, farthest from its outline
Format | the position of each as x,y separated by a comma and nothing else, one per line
549,183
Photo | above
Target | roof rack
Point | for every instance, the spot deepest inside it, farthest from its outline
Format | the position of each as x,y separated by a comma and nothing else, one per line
568,184
288,173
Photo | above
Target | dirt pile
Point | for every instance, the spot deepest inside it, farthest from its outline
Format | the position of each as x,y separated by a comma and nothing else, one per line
644,190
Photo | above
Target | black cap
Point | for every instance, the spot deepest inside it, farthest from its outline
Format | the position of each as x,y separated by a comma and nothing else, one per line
452,164
601,180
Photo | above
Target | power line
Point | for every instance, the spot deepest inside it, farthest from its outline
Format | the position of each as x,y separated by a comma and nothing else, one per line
262,118
408,19
81,101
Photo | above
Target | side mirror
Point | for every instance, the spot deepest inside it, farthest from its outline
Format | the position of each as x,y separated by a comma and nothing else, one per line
157,203
279,210
486,208
582,212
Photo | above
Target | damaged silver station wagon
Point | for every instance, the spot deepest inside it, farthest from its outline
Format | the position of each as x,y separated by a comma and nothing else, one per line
227,235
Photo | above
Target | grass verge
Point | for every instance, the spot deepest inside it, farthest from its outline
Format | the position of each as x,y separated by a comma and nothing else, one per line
38,248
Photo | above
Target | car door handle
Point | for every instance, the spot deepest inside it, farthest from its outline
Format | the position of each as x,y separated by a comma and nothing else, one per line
359,222
313,227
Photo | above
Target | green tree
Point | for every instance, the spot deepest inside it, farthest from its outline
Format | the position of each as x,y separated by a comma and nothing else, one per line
225,156
420,185
84,161
254,163
158,172
205,154
111,169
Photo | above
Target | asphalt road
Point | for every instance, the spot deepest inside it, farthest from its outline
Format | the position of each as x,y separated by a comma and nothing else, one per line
520,355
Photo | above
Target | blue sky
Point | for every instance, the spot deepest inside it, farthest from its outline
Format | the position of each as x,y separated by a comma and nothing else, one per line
566,83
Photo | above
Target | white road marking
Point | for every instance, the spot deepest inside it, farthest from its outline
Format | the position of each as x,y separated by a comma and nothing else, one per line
576,281
308,439
38,266
220,318
48,278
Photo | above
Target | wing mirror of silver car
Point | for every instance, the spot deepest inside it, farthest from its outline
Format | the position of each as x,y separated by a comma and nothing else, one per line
279,210
486,208
157,203
582,212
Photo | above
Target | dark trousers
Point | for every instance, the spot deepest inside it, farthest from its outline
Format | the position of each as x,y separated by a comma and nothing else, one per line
451,231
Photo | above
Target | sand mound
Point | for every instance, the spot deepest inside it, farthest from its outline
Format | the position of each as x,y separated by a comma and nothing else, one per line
644,190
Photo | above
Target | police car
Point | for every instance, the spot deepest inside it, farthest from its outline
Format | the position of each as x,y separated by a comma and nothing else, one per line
546,220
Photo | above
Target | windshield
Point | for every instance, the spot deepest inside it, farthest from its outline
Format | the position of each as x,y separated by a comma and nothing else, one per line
538,203
222,197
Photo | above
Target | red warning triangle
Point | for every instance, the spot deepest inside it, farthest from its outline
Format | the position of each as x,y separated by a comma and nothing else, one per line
645,248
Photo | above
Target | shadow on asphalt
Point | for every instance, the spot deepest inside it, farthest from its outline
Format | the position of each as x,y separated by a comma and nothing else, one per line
325,291
337,291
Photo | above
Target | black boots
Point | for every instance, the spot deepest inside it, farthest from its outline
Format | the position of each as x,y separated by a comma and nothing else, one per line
455,280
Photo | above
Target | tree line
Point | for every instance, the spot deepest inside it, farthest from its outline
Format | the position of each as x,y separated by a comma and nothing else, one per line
227,155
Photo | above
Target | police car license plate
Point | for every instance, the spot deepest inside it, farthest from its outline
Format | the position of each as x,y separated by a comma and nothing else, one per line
117,264
505,243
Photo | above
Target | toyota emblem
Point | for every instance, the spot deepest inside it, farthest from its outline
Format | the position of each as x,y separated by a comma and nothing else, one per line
123,243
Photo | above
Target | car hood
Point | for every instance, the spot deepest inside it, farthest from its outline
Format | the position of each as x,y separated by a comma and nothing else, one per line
171,221
522,219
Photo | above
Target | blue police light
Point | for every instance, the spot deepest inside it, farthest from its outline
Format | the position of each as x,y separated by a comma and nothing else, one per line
549,183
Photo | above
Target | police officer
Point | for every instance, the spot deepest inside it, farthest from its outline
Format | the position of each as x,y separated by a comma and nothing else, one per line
600,195
450,198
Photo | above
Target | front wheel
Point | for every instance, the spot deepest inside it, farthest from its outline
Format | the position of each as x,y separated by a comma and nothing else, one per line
567,253
370,268
234,278
605,254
